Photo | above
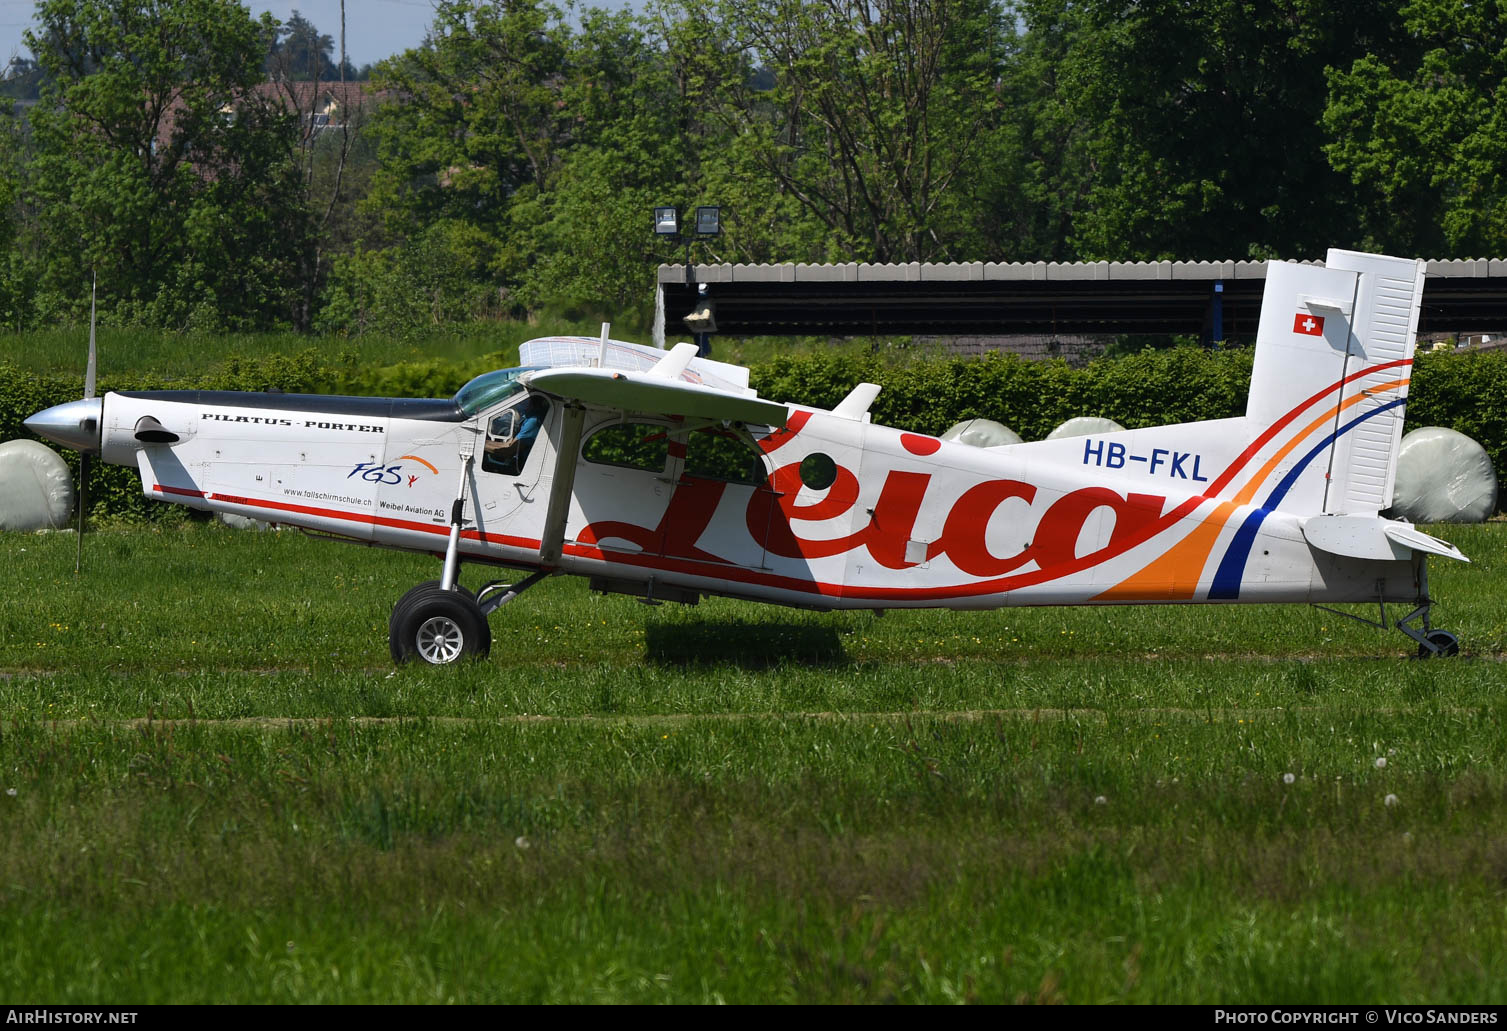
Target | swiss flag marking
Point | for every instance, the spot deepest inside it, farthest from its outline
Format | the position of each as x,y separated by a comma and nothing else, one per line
1308,325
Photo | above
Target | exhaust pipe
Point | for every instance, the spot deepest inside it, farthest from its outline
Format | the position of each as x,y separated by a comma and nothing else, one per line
150,431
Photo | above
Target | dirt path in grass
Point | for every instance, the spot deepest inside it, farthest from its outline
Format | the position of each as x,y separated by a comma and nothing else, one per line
269,723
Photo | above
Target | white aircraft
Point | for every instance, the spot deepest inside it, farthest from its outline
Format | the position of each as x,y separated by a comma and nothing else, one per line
661,474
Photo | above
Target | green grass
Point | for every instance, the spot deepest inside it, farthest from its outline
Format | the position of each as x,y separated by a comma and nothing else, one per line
224,792
183,355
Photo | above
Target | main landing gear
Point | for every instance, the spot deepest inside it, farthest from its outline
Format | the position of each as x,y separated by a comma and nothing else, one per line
440,626
440,622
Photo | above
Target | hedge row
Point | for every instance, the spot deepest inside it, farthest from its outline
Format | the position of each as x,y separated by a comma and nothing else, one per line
1465,391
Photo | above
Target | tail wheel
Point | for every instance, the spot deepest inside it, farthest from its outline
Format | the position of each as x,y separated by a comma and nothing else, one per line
1446,643
438,626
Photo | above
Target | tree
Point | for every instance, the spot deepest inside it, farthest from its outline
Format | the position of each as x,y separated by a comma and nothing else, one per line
475,121
877,110
159,164
477,116
633,137
301,53
1201,122
1421,131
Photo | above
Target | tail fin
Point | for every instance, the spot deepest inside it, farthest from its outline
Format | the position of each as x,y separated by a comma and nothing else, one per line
1334,355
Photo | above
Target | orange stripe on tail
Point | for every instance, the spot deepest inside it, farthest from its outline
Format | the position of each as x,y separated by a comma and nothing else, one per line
1174,575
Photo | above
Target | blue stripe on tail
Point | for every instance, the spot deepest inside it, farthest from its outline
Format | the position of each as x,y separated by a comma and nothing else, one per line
1227,579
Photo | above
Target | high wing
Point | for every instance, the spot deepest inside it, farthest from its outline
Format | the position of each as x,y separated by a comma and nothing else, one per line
659,390
619,376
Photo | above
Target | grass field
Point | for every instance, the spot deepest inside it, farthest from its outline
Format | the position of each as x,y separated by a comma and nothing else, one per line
215,787
185,355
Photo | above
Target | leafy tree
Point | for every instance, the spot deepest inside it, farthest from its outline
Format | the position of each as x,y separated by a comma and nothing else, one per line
472,118
1201,122
301,53
543,143
477,116
15,286
1421,131
440,276
636,139
878,109
159,164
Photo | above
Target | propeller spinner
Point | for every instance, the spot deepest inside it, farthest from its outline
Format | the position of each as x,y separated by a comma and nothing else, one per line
74,424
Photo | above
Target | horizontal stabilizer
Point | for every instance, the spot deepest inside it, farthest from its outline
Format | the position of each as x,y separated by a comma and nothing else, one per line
1372,538
1352,537
650,393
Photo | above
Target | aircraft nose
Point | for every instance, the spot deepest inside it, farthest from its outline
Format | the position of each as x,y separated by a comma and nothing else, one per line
74,424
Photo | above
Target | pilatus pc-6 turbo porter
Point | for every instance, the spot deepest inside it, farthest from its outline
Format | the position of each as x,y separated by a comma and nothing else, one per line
661,474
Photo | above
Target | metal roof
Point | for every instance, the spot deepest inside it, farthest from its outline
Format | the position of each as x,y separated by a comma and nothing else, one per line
854,298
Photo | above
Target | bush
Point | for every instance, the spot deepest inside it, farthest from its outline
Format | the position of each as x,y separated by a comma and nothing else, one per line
1465,392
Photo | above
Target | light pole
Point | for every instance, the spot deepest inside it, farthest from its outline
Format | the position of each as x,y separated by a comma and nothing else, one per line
707,224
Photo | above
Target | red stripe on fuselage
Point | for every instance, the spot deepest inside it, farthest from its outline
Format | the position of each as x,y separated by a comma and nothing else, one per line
440,529
740,574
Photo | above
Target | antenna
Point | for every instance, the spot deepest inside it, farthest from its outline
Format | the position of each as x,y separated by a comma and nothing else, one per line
83,456
89,371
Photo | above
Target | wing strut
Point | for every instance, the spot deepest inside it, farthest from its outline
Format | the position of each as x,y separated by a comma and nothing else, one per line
564,481
457,512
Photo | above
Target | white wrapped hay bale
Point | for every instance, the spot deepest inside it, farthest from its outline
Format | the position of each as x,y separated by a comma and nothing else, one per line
240,522
1085,426
1443,477
36,488
982,433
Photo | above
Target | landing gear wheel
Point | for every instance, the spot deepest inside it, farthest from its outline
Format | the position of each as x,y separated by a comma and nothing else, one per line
437,626
1446,643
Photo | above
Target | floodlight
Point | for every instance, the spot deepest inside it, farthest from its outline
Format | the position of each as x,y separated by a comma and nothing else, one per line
708,221
667,221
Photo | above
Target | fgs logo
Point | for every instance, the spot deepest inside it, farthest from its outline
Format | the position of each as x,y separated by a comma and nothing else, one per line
389,475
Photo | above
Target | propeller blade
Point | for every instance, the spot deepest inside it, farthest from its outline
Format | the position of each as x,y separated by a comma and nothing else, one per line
83,476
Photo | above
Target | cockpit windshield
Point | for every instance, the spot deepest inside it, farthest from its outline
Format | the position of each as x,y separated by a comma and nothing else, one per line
489,388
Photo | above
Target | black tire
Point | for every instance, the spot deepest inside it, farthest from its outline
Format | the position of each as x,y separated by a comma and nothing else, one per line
438,627
1446,642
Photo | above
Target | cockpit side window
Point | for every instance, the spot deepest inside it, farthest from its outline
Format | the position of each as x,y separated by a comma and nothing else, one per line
633,445
510,436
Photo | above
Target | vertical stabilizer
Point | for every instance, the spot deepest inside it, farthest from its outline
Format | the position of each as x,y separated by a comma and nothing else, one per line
1334,354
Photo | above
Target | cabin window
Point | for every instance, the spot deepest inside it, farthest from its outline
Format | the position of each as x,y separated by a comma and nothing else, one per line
632,445
722,455
818,471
